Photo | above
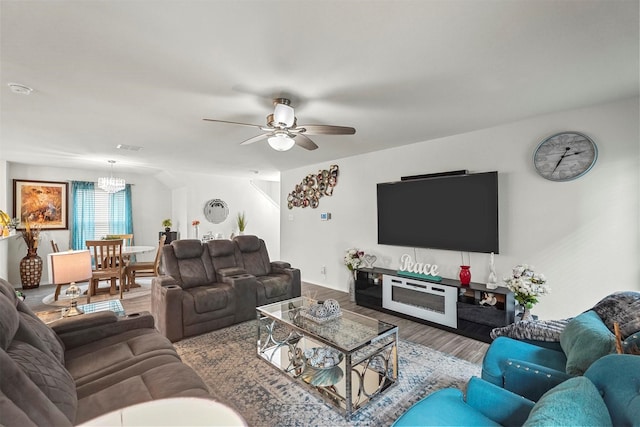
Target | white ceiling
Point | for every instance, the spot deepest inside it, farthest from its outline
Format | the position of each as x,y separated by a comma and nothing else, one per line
145,73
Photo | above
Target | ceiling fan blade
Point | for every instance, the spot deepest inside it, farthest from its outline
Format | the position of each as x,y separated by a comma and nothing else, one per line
304,142
233,123
327,130
255,139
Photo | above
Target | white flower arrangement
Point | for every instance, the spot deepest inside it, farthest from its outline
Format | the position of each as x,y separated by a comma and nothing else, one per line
353,258
527,285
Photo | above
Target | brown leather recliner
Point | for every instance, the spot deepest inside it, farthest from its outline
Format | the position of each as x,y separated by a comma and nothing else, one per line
191,298
276,280
217,284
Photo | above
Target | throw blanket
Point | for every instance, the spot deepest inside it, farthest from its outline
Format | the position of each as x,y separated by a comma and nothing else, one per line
621,307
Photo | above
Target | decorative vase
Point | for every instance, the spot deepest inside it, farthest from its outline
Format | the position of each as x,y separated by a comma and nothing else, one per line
492,280
465,275
30,271
352,285
167,229
526,313
195,228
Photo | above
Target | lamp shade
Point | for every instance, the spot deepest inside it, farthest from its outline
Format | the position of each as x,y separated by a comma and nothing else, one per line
281,142
70,266
284,115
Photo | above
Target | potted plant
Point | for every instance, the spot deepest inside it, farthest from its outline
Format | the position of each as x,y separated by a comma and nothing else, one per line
241,220
166,223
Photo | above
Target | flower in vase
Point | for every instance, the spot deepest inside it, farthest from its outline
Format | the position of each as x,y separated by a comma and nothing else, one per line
527,285
353,258
195,223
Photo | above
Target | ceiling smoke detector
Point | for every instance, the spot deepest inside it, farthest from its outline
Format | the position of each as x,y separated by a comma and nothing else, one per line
20,89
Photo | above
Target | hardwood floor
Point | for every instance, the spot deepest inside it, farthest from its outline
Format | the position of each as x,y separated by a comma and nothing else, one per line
438,339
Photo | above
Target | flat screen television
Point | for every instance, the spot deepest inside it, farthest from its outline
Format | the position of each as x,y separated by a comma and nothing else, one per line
457,212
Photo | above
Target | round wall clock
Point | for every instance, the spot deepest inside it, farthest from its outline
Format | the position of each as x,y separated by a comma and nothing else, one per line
565,156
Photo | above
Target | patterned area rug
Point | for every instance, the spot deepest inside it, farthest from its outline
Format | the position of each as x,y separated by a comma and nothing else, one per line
227,361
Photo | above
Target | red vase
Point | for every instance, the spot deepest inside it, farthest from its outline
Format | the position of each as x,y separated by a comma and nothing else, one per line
465,275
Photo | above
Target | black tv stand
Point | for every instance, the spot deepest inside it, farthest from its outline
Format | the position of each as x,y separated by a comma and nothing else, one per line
451,306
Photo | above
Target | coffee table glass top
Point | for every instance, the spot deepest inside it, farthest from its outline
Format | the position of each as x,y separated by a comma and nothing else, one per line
347,333
110,305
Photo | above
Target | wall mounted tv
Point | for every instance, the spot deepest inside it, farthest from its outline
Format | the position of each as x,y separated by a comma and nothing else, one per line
456,212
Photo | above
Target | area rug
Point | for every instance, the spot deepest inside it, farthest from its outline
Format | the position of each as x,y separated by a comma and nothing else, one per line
228,363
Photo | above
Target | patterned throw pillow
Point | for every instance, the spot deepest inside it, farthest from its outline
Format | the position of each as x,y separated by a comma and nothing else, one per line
534,330
621,307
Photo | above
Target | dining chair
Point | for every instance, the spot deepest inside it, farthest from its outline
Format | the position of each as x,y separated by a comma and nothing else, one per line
106,259
127,238
143,269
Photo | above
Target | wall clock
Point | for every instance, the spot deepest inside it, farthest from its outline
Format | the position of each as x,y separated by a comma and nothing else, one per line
565,156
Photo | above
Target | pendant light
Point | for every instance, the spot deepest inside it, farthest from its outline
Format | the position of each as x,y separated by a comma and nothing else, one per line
111,184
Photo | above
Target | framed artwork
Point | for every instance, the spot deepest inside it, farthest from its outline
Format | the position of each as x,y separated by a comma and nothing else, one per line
43,203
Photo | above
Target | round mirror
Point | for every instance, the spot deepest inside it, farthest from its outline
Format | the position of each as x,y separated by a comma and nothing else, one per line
216,211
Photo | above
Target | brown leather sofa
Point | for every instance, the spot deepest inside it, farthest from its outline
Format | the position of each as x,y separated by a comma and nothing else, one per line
83,367
208,286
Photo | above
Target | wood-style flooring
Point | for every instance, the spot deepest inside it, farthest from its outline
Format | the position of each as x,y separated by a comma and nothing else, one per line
438,339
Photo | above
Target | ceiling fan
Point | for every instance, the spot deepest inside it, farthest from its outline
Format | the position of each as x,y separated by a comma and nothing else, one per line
282,131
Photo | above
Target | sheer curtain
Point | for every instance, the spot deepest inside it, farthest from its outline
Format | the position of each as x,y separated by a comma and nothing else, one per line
120,214
83,213
88,204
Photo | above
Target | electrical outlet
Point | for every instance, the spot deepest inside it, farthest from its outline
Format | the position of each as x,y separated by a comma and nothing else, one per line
323,270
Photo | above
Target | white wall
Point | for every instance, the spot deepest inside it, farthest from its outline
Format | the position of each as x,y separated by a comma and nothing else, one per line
240,196
584,235
180,197
151,202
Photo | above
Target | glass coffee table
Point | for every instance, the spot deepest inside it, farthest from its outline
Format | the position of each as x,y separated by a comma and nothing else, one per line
348,360
109,305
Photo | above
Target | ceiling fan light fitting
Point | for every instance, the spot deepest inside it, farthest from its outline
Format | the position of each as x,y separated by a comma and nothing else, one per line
284,115
281,142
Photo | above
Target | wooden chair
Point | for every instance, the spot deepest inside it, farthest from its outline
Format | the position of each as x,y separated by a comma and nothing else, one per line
144,269
106,258
127,238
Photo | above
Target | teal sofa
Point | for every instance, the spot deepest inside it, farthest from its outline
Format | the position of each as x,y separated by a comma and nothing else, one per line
607,394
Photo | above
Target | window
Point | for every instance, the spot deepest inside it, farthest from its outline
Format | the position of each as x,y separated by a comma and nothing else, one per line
96,213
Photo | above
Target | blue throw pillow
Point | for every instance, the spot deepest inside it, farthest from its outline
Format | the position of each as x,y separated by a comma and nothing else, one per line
575,402
585,340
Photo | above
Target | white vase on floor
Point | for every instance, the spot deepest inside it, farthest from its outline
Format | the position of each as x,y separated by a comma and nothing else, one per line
352,286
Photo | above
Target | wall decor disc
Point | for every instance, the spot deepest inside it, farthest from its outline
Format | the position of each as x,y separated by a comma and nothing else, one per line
216,211
565,156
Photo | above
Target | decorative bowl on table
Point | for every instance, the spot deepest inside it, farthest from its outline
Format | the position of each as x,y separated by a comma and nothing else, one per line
321,366
322,311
